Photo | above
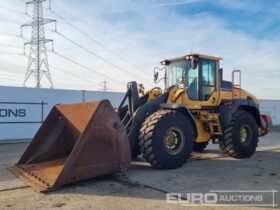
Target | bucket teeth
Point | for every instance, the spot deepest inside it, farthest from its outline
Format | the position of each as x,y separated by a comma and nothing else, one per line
76,142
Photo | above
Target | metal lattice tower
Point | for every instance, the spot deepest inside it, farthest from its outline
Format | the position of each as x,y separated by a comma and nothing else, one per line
104,86
38,58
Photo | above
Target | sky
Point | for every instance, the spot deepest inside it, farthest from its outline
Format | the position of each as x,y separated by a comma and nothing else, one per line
121,41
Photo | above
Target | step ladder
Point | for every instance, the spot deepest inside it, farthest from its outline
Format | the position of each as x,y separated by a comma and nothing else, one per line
214,124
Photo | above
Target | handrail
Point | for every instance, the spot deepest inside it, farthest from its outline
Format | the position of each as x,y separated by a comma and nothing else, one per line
234,85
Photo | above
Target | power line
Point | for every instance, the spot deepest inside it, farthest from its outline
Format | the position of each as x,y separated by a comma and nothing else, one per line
13,10
7,74
10,53
53,67
95,41
86,67
13,35
80,46
58,69
10,46
74,75
10,34
90,51
9,78
96,55
11,21
69,23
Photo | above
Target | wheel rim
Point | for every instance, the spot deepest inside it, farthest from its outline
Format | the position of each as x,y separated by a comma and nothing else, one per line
245,135
174,140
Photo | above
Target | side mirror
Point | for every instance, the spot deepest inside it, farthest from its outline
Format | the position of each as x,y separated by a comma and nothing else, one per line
155,76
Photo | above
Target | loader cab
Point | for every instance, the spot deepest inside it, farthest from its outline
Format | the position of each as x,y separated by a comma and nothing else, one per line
199,74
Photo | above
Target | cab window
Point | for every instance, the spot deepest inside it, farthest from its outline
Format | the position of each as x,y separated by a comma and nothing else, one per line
193,83
208,78
176,71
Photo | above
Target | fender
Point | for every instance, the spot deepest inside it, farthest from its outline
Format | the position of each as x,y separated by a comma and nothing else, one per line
184,110
140,115
226,112
135,111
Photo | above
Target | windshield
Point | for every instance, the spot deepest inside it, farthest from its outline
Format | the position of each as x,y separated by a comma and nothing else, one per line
179,71
176,71
200,83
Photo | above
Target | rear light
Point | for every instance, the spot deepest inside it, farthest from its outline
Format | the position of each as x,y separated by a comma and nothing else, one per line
266,124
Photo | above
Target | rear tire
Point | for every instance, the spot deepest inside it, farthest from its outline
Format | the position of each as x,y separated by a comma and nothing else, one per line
166,139
198,147
240,138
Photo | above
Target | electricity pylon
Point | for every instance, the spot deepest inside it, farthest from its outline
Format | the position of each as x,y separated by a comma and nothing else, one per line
38,58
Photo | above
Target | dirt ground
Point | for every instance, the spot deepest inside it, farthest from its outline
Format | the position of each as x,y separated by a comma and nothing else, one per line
143,187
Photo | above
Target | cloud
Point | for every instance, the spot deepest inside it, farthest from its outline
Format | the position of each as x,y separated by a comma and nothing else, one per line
174,3
251,5
146,32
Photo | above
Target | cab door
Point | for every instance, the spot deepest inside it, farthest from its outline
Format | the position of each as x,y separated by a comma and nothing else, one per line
202,86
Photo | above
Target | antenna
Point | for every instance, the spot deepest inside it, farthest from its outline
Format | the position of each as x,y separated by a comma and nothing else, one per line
192,47
38,59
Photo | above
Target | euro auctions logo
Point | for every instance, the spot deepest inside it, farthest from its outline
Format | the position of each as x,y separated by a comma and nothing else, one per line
264,198
192,198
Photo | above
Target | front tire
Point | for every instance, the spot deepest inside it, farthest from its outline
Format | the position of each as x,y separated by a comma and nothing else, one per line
240,138
166,139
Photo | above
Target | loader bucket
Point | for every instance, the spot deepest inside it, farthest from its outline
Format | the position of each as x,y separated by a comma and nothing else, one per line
76,142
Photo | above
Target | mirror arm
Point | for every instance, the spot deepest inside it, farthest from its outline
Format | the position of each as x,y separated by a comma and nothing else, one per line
156,73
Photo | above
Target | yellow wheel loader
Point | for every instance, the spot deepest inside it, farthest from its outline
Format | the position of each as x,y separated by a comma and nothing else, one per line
82,141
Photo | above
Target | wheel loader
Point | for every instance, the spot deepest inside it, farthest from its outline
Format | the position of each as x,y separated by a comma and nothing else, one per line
81,141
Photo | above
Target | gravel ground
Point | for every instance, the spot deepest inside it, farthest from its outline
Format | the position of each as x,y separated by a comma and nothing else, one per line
143,187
